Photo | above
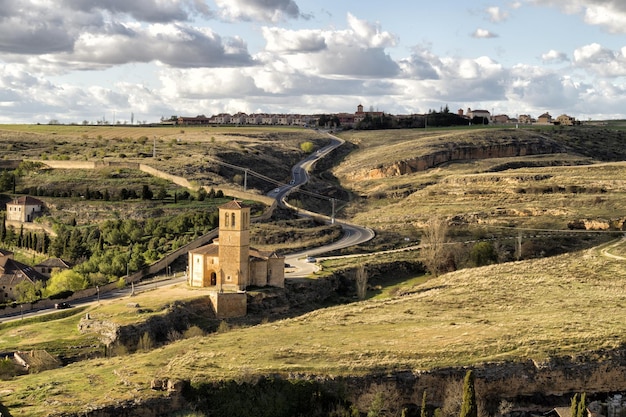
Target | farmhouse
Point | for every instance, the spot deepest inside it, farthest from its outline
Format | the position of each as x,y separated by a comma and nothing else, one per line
544,119
229,263
51,266
13,273
565,120
24,209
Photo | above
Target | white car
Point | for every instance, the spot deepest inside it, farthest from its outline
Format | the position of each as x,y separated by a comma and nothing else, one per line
311,259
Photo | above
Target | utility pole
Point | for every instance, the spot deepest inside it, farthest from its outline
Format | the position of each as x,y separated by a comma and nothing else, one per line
332,217
245,179
154,148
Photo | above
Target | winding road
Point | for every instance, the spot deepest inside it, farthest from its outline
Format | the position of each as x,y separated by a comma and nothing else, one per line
298,266
352,234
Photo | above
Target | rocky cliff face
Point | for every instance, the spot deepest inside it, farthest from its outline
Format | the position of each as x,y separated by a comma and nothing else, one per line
177,318
460,152
525,385
596,373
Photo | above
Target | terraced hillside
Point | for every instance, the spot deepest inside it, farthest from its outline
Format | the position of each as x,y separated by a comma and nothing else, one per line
490,178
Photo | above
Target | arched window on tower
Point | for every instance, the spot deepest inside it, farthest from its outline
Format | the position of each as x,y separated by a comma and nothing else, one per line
226,220
233,219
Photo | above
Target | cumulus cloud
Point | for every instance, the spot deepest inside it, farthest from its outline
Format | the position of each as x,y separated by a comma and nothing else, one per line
171,44
483,34
553,56
259,10
610,14
602,61
421,64
36,31
154,11
357,51
370,34
292,41
496,14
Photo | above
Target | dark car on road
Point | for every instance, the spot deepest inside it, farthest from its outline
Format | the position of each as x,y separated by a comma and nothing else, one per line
61,306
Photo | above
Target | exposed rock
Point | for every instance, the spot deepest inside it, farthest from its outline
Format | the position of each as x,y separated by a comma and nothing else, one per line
460,152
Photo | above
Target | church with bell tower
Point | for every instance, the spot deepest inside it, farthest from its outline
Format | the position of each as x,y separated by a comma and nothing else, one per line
229,263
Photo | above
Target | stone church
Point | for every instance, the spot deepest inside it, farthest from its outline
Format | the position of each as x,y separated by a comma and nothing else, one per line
229,263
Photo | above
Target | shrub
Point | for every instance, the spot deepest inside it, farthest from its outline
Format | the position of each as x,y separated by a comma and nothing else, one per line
307,147
193,331
61,295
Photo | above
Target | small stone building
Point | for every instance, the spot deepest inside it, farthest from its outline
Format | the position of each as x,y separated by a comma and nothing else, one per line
51,266
229,263
24,209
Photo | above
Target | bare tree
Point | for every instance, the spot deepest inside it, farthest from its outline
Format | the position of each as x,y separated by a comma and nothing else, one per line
434,251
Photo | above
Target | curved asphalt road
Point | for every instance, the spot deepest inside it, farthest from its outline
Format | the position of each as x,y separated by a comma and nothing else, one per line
298,265
352,234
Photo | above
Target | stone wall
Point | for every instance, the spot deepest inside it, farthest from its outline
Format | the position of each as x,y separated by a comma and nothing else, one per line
229,304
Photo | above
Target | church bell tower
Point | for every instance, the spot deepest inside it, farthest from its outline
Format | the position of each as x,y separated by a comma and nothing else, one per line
234,246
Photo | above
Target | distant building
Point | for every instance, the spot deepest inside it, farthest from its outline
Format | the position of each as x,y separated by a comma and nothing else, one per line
51,266
478,113
565,120
24,209
501,119
360,115
189,121
544,119
13,273
525,119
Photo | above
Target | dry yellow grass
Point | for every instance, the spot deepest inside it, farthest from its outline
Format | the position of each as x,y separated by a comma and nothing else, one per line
532,309
470,191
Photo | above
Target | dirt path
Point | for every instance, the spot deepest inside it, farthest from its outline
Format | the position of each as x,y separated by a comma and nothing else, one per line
605,249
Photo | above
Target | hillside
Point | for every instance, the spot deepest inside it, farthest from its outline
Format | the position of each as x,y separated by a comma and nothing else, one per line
489,182
549,192
192,152
541,310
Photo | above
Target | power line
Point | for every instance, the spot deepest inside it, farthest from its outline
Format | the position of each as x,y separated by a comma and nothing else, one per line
248,171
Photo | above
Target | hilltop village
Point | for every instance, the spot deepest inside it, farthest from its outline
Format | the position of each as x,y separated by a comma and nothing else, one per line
364,118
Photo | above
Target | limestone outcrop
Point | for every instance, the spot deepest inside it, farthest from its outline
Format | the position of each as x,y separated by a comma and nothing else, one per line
459,152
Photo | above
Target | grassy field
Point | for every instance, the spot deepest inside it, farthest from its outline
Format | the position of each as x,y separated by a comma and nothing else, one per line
518,310
531,192
531,309
193,152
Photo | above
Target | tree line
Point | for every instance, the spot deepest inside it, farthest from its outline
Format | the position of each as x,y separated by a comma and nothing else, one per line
108,250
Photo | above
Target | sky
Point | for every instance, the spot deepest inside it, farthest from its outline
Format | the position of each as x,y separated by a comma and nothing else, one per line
136,61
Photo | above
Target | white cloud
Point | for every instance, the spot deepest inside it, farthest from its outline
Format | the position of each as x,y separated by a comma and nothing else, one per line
496,14
154,11
554,56
483,34
358,51
601,61
291,41
370,34
611,14
261,10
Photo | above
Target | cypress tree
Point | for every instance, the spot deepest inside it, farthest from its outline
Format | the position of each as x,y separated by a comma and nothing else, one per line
582,407
20,238
468,407
423,409
573,409
3,229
